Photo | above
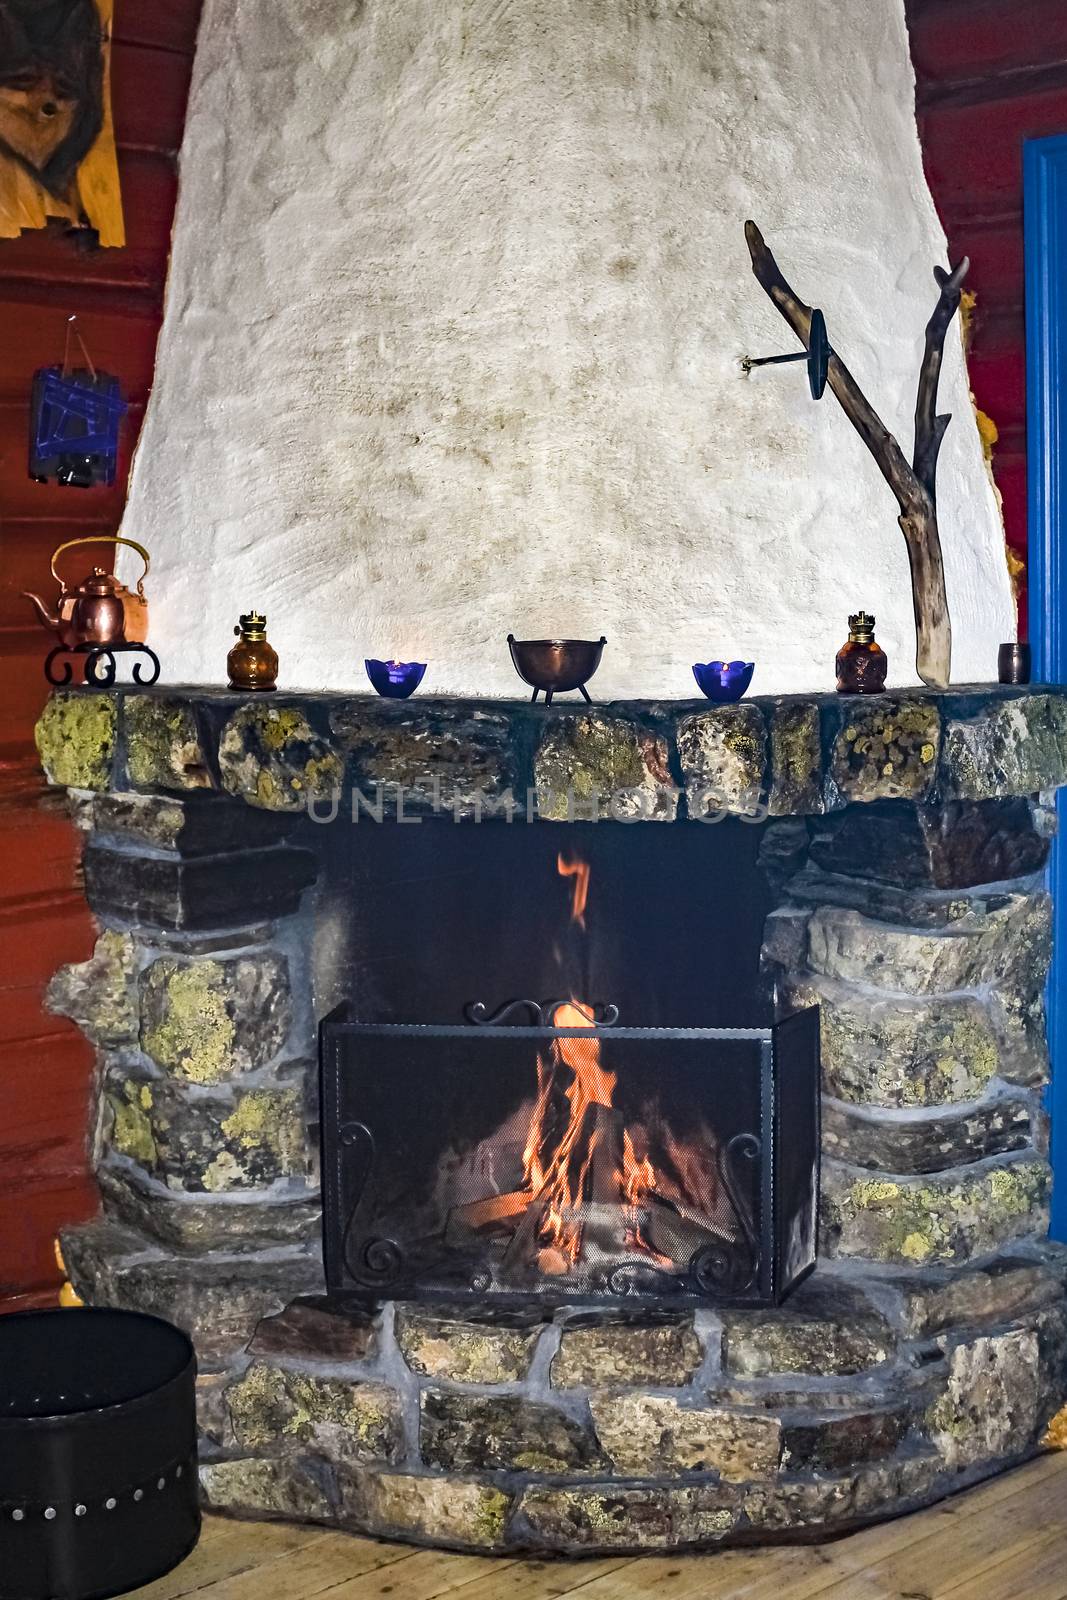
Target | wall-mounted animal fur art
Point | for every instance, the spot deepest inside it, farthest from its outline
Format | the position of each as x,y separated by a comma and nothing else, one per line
57,143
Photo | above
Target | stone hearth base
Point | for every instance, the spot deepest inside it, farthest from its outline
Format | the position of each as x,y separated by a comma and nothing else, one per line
867,1395
906,852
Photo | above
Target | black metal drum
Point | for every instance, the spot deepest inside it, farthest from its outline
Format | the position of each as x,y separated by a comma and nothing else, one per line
98,1483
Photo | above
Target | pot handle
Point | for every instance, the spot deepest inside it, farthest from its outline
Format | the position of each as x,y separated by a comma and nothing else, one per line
102,538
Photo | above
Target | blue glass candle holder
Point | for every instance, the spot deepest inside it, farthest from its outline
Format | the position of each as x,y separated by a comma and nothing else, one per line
395,680
724,681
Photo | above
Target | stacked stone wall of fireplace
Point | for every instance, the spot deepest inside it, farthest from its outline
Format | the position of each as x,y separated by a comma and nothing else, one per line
907,842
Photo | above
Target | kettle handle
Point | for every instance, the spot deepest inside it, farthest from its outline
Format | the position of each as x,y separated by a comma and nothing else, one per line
102,538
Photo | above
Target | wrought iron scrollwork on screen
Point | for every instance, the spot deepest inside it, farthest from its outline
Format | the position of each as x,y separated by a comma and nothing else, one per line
376,1262
539,1013
732,1265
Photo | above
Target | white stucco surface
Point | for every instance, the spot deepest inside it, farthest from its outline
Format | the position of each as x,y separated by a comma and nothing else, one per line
458,296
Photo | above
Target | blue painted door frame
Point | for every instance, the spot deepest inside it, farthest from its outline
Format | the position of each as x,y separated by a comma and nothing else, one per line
1045,209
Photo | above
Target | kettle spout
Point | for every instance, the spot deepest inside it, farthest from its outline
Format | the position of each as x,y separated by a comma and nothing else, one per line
47,618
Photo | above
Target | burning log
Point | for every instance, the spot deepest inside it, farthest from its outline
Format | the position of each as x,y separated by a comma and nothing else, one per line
496,1212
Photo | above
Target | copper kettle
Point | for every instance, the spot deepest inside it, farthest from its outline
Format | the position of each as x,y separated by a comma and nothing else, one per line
101,610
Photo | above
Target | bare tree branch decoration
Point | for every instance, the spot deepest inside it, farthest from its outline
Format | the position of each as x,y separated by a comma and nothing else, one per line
914,485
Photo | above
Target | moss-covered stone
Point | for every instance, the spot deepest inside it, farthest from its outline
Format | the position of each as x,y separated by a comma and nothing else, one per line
76,739
208,1019
997,1292
100,994
1016,746
932,1143
991,1405
1007,944
500,1432
826,1329
595,766
254,1487
943,1217
163,746
271,757
724,758
603,1516
602,1349
838,1500
191,1221
217,1298
795,783
886,750
207,1144
131,1124
469,1347
430,756
645,1435
441,1509
901,1053
343,1419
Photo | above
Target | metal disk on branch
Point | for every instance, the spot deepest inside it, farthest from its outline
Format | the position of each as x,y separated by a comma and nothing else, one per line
914,484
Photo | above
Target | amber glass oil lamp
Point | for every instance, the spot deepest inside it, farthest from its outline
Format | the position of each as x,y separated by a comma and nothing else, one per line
253,661
861,661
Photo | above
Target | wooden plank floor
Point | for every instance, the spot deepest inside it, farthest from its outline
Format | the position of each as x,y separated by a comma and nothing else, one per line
1006,1540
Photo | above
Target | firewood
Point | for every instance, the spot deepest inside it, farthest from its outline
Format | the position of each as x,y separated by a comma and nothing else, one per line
605,1139
914,484
676,1236
480,1216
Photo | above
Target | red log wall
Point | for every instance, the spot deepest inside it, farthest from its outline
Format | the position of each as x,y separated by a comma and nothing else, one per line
45,1064
991,74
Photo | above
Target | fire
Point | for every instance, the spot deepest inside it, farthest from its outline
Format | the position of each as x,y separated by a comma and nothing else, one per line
579,871
592,1161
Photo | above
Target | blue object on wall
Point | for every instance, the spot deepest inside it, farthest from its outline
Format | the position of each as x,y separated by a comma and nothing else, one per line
1045,213
74,427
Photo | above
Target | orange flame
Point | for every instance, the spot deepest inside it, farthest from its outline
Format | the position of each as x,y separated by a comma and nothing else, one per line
579,871
568,1171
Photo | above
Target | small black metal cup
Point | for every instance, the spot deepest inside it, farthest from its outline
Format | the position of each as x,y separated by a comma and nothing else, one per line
1013,663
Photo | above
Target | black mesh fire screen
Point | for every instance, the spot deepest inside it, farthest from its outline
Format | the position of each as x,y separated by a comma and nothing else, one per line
570,1160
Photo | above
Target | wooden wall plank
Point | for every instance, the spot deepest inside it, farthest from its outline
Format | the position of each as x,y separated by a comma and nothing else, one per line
46,1066
166,27
960,40
149,191
989,75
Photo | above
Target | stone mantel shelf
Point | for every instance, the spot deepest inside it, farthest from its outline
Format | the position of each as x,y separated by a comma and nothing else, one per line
657,760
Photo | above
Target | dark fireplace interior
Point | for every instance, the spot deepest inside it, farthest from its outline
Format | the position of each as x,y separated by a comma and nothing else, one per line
424,920
552,1068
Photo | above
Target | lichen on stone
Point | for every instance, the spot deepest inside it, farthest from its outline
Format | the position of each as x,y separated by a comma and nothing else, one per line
796,760
207,1018
194,1033
897,1052
271,757
264,1135
132,1132
100,994
269,1404
592,766
943,1217
163,747
76,739
723,753
887,750
458,1511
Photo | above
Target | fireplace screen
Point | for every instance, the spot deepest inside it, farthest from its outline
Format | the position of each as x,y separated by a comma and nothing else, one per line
546,1151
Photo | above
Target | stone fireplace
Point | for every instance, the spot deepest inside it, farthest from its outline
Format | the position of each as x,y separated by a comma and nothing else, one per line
881,860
